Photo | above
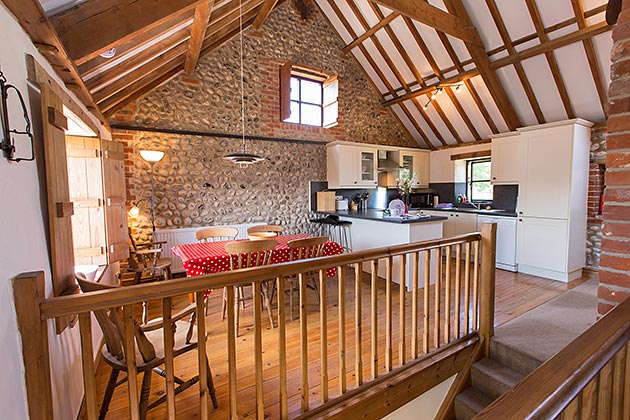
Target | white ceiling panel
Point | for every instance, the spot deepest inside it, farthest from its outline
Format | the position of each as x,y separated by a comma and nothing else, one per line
600,17
381,63
453,116
330,14
603,45
545,89
563,31
367,12
437,121
577,76
516,18
401,30
552,12
482,20
408,125
470,107
517,95
459,47
592,4
431,39
369,70
413,110
394,56
491,106
527,45
347,13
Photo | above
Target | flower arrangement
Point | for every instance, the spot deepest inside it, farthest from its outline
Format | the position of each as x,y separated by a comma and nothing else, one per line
404,182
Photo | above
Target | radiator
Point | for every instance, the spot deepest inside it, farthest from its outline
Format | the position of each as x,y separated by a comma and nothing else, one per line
174,237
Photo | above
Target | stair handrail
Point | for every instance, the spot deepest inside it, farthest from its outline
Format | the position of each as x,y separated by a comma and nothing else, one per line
550,389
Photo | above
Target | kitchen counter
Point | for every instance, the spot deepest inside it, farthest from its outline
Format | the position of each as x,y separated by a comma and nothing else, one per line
493,212
377,215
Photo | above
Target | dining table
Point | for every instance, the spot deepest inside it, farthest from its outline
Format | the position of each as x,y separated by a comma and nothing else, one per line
203,258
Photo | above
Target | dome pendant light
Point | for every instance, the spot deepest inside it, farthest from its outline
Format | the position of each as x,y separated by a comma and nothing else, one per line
243,159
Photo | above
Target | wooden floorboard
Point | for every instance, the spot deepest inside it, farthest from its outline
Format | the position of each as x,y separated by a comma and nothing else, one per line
515,294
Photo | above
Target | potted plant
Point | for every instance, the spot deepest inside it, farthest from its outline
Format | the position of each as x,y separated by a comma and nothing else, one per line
404,183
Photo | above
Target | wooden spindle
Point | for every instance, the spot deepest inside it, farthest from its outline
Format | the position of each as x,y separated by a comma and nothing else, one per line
571,411
437,303
487,283
168,357
282,350
447,297
589,399
323,322
231,344
358,336
475,311
604,393
342,329
202,357
626,384
87,361
467,327
303,343
258,349
401,310
458,293
425,303
388,314
130,357
374,319
619,368
415,260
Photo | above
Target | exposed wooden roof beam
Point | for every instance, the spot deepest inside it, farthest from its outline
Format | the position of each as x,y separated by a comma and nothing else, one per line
602,91
426,118
197,34
264,13
436,18
551,59
374,29
94,26
33,20
417,126
520,71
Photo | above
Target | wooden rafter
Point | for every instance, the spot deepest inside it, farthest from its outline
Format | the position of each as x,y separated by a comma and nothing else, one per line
551,59
602,91
490,78
197,34
520,71
415,124
122,19
264,13
33,20
384,21
436,18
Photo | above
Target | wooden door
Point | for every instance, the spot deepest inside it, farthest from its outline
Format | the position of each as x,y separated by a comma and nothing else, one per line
115,199
86,192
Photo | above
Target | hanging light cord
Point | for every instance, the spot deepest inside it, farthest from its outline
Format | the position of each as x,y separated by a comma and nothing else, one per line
240,20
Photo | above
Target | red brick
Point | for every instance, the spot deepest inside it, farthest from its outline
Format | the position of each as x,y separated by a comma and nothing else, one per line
617,178
616,212
612,295
615,245
617,159
614,279
619,122
617,141
619,229
603,308
615,262
620,195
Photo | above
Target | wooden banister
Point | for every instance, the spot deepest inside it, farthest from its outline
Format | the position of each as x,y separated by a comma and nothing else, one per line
549,390
487,285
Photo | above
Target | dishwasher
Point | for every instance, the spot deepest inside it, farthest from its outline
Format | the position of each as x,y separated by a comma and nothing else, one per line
506,240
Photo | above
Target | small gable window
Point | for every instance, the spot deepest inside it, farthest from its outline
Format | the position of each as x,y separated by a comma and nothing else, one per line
308,96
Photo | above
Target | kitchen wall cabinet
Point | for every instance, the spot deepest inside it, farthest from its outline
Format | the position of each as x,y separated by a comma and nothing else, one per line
552,199
506,158
342,166
367,163
417,163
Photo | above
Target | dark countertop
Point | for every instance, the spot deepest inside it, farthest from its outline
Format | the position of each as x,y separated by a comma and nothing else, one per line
377,215
483,212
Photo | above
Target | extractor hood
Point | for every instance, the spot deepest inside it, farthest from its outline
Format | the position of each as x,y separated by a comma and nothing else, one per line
386,163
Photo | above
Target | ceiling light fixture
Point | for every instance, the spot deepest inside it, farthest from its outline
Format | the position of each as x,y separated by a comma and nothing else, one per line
109,53
439,89
243,159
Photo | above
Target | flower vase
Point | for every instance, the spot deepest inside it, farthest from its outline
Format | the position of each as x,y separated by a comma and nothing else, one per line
406,201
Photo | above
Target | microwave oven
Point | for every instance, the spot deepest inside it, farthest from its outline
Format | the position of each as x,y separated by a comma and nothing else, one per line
419,200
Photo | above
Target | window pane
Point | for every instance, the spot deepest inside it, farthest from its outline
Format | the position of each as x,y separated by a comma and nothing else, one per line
481,171
311,115
295,89
311,92
330,93
295,113
330,114
481,191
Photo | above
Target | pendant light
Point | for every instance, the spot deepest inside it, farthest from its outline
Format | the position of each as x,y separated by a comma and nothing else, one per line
243,159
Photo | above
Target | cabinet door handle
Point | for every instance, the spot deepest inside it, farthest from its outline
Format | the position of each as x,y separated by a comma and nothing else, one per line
494,177
520,220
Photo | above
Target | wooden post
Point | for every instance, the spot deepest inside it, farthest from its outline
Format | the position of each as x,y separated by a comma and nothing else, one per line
28,292
487,283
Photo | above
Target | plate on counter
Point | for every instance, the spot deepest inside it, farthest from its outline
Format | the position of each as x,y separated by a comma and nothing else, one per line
397,204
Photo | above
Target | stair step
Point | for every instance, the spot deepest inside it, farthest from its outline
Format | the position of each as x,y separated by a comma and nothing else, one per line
493,378
470,402
513,358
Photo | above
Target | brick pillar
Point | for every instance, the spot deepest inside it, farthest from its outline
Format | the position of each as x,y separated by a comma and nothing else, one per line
615,261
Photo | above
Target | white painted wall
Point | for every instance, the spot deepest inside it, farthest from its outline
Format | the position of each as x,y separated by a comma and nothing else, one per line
426,406
23,248
443,169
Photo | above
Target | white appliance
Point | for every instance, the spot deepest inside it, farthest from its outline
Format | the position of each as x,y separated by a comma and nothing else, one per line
506,240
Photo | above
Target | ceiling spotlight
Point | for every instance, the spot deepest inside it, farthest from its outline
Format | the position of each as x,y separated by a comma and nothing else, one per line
109,53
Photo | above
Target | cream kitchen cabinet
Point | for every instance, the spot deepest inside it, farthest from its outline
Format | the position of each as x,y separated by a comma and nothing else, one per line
367,163
458,223
342,166
417,162
506,158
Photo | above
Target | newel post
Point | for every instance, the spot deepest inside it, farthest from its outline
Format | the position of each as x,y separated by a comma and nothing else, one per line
487,286
28,292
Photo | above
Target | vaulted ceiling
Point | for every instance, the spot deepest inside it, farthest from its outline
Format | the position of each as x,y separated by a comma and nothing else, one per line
515,62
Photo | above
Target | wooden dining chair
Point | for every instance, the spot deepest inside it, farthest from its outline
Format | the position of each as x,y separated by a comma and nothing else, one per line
248,254
149,348
301,249
265,228
212,234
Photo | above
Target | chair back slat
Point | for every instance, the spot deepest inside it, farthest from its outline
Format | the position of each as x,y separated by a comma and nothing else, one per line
307,248
265,228
246,254
211,234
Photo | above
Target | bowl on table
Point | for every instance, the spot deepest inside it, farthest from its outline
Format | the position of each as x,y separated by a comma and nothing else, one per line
258,236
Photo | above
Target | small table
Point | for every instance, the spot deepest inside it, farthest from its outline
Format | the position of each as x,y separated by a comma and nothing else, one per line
210,257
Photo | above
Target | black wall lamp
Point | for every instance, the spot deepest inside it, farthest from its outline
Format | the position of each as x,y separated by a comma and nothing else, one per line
7,145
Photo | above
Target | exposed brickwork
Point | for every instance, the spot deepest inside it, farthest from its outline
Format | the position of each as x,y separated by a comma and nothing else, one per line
194,185
615,260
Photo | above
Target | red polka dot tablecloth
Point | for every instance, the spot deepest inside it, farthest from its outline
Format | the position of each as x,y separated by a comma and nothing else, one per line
210,257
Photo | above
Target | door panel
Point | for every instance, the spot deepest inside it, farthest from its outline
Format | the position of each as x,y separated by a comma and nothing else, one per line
542,243
115,200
